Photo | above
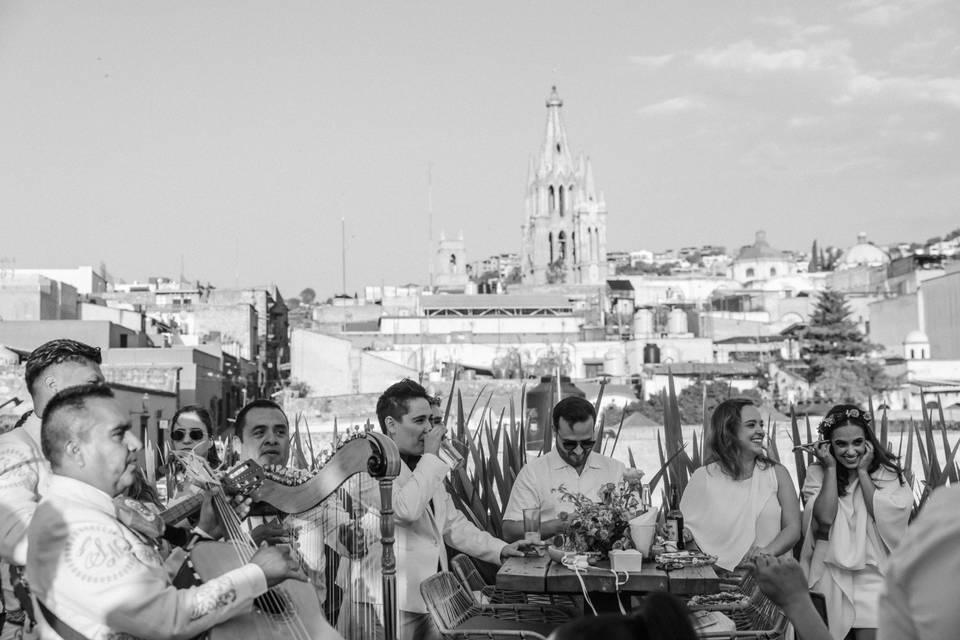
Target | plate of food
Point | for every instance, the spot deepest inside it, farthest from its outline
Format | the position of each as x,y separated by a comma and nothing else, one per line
721,601
686,558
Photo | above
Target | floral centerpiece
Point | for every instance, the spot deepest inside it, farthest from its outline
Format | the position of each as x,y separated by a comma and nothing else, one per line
601,525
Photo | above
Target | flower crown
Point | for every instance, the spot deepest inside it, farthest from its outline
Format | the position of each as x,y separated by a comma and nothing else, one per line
833,418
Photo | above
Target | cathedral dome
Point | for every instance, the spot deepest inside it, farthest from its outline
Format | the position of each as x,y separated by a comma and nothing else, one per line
864,253
760,249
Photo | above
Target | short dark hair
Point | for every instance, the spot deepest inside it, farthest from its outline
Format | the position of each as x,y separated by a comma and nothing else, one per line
573,409
53,432
257,403
395,401
55,352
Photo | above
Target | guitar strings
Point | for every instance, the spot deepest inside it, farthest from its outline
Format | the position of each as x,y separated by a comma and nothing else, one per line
244,550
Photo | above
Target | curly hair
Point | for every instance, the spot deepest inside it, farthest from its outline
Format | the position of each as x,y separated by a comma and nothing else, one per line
842,415
723,444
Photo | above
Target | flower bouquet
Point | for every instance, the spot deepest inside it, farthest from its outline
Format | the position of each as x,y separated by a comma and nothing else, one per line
602,525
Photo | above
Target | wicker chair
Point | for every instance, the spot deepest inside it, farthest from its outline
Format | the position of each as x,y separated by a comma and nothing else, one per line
758,618
485,593
459,616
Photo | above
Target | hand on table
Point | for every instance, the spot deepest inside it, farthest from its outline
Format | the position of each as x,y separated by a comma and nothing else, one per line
518,549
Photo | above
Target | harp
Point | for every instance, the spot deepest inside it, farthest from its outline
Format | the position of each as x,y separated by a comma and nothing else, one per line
342,516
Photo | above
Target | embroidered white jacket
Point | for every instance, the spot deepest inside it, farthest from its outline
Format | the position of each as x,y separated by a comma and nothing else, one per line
24,474
106,582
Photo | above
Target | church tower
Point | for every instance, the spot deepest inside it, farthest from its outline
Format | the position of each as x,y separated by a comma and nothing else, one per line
450,264
565,232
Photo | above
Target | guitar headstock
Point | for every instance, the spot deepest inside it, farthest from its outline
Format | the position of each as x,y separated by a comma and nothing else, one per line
243,478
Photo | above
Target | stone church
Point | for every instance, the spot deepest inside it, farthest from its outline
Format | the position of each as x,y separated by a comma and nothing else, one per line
565,231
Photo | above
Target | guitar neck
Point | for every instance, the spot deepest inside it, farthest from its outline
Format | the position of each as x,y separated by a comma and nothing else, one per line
182,509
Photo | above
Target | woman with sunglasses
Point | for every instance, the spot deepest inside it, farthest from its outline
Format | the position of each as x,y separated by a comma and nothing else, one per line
857,511
741,501
191,431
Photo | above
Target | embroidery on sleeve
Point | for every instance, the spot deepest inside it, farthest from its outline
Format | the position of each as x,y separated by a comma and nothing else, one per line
16,469
213,595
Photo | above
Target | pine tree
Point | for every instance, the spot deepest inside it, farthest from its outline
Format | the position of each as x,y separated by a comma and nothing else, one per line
814,265
831,332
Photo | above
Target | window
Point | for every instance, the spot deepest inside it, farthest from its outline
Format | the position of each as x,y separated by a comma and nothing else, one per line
550,240
552,195
773,271
750,272
123,340
561,201
562,246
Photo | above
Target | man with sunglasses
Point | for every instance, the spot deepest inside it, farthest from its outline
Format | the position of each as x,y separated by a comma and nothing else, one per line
571,464
24,472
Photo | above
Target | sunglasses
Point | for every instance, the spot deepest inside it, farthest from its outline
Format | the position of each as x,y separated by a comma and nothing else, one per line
570,445
195,434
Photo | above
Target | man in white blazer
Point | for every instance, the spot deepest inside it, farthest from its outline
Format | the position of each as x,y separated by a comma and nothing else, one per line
425,515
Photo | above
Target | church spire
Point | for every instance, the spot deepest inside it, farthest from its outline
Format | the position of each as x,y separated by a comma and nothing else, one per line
555,156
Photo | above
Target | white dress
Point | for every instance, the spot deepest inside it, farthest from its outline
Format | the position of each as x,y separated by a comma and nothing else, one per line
727,517
848,568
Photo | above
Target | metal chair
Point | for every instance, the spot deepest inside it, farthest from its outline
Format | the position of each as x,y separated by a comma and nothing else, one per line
458,616
486,593
759,618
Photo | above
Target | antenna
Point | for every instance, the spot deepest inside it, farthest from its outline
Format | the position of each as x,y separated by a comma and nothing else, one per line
343,253
430,220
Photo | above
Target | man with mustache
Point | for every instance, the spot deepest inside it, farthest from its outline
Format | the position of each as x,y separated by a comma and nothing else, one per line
92,575
24,472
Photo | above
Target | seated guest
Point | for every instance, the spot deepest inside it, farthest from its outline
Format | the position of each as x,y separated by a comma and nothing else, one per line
425,515
571,463
24,472
857,509
741,501
92,575
661,616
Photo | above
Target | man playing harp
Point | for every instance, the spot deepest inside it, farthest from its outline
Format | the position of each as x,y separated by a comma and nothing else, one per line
425,516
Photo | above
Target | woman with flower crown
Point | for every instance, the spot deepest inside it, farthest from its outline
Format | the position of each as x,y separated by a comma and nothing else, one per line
857,510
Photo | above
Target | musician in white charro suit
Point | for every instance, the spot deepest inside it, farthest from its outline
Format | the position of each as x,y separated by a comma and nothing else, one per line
425,515
97,578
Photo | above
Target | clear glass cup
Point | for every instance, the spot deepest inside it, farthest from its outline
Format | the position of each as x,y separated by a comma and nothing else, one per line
531,524
449,455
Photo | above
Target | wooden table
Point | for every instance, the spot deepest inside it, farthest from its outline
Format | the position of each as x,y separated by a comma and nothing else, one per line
542,575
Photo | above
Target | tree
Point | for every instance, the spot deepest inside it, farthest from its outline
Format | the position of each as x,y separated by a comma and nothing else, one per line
814,265
831,332
308,296
690,401
851,381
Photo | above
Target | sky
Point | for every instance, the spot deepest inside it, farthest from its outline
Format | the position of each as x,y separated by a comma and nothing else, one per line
233,136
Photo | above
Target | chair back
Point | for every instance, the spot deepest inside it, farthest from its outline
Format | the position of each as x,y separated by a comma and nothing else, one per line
468,573
447,600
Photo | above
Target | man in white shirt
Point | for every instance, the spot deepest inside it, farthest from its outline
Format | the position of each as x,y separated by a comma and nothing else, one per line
91,574
24,472
571,463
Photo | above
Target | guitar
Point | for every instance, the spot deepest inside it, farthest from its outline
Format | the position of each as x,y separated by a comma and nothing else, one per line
241,479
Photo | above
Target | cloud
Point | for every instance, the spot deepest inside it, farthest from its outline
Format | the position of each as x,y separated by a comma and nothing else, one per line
944,91
653,62
882,15
672,106
750,58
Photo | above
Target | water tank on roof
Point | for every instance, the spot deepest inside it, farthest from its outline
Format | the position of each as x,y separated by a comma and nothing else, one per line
643,323
677,322
651,354
613,363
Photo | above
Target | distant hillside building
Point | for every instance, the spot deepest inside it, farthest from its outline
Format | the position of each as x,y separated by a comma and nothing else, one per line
759,262
565,231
